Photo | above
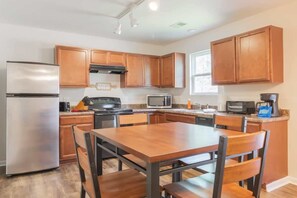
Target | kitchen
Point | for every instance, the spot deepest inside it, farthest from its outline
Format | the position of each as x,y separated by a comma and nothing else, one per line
28,43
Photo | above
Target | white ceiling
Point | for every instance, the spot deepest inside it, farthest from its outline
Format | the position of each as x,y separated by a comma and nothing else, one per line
98,17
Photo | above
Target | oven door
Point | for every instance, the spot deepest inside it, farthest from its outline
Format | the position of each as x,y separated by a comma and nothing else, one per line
105,121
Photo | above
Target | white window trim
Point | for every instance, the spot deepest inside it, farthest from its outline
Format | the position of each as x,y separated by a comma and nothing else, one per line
192,77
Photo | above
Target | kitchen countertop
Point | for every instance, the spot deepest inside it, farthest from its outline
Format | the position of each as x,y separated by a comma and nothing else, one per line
76,113
200,113
193,112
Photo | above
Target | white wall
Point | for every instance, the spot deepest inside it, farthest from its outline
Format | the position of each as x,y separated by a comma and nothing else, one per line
32,44
284,17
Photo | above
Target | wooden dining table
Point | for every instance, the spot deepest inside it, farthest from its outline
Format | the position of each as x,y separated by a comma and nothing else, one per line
159,143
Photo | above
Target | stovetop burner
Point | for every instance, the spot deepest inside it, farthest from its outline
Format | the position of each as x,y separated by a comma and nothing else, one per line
108,105
117,111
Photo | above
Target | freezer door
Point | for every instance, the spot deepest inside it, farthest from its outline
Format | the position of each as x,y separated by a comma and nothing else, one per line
32,134
32,78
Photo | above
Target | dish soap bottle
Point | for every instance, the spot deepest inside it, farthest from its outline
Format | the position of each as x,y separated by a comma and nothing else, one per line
189,104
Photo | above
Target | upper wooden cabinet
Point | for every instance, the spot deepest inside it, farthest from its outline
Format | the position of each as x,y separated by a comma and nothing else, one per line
258,57
135,75
143,71
223,61
173,70
102,57
74,66
151,71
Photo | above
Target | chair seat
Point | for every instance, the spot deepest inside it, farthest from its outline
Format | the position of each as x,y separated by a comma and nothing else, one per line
202,186
124,184
195,158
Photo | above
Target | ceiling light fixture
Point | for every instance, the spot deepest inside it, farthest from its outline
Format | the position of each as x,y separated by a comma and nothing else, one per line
133,20
154,4
118,29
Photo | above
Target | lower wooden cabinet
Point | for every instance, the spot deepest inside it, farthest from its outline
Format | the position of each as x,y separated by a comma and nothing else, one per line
276,166
156,118
67,150
170,117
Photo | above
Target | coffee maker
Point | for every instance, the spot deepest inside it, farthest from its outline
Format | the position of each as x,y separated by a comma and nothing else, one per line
270,99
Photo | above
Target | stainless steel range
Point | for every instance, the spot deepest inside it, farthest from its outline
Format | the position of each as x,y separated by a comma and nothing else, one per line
107,110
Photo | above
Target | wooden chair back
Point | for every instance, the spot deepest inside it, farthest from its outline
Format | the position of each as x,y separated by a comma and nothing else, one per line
237,123
253,144
133,119
86,161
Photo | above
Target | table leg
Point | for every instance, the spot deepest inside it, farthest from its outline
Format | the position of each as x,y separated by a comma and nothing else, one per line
152,180
98,155
176,176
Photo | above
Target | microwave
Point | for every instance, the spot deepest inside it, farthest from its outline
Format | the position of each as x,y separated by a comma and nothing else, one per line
240,107
159,101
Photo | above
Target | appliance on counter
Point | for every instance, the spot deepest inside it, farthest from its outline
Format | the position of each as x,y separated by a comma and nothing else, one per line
32,117
270,99
106,114
159,101
64,106
240,107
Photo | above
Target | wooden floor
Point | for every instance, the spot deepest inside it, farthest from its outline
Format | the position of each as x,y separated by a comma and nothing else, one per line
64,182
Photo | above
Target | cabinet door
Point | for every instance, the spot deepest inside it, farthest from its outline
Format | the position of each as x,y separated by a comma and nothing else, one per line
180,118
74,66
223,61
135,75
152,71
253,61
67,150
99,57
167,71
162,118
117,59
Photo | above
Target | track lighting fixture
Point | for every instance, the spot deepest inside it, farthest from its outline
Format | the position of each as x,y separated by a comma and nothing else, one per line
118,29
133,20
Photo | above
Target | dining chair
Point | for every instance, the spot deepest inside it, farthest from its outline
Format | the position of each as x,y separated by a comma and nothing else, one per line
237,123
128,120
224,183
128,183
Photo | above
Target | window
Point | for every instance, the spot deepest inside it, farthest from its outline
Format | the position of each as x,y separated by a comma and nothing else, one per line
201,74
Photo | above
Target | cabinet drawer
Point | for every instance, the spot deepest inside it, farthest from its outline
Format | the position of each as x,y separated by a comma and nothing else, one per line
180,118
82,119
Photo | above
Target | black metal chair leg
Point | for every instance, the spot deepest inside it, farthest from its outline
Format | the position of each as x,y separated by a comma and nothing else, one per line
82,192
120,165
167,195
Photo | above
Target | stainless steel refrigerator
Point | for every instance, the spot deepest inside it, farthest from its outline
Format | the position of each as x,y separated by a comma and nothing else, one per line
32,117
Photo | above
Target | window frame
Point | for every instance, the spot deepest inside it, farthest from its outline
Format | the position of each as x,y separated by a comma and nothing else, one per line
192,75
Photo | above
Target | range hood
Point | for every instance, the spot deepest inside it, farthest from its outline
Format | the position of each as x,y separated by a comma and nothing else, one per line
103,69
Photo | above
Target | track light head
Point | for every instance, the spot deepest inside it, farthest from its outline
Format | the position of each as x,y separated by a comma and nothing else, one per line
118,29
133,20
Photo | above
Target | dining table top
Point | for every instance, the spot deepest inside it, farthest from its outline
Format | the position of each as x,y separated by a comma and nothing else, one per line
166,141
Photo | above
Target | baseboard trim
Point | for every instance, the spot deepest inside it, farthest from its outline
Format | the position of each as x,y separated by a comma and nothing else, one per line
293,180
281,182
